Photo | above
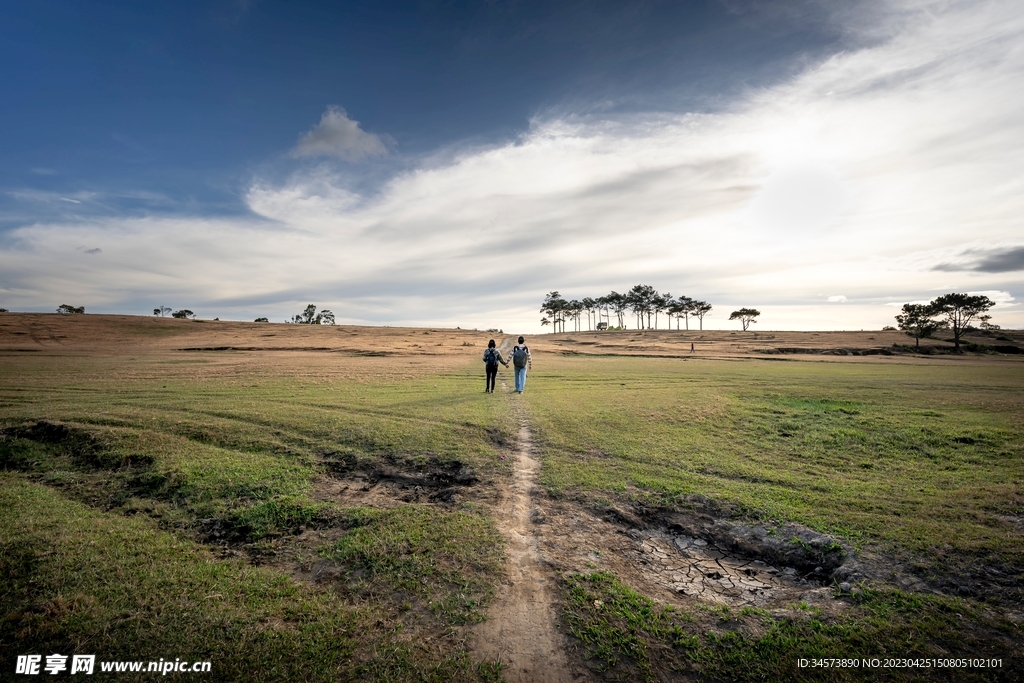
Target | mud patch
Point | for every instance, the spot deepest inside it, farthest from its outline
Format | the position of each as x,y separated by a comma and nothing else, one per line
392,481
78,444
804,550
433,473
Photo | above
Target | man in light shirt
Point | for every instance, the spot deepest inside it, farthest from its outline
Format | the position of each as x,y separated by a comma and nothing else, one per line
522,361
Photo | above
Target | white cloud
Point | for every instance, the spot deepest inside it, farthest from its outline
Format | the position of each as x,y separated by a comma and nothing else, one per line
339,136
41,196
1003,300
837,299
859,175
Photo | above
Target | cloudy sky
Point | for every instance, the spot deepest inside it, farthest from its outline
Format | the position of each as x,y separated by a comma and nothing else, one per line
448,163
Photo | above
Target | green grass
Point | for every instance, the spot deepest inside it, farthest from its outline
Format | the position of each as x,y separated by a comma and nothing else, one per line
78,580
918,458
130,526
125,454
446,558
218,436
628,637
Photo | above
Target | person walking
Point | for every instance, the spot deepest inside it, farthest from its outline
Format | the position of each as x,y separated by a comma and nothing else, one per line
522,361
492,357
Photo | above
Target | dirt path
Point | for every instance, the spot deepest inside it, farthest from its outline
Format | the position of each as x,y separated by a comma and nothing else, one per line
521,629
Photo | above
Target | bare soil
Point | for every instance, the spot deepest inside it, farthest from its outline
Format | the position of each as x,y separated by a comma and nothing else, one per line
521,630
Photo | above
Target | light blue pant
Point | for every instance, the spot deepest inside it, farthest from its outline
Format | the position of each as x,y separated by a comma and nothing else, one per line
520,379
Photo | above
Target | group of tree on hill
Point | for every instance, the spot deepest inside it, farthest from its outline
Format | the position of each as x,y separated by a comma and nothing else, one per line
182,314
644,301
311,317
68,309
949,311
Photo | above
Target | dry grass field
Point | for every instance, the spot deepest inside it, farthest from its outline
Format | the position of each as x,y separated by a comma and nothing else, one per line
113,334
346,503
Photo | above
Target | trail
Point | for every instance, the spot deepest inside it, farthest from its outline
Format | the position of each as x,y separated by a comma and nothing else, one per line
521,629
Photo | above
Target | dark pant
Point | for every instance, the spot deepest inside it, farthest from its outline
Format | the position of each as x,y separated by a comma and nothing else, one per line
492,374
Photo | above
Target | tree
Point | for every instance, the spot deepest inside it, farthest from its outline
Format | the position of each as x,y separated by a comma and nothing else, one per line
619,303
184,314
555,307
745,316
261,320
574,309
661,303
601,308
681,308
309,316
162,311
986,325
917,321
3,310
589,305
958,311
700,309
635,304
66,309
641,300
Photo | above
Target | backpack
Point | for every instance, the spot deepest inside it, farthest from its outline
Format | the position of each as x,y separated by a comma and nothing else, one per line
491,357
519,356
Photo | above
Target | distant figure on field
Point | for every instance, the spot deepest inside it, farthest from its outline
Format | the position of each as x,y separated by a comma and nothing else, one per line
492,357
691,347
522,361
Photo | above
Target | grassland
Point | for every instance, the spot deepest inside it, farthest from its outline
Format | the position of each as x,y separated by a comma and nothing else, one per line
919,466
169,478
924,458
260,504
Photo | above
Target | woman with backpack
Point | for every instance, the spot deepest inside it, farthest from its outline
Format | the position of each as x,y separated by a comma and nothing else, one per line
492,357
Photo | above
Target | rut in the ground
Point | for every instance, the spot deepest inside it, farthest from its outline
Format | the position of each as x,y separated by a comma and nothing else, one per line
521,628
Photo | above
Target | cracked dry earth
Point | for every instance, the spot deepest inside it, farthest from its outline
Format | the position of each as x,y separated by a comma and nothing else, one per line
693,567
673,568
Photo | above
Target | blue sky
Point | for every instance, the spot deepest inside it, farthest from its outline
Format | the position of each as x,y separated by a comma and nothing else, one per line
449,162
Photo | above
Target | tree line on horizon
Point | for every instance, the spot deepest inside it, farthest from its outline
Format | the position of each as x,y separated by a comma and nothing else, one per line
182,314
644,301
309,316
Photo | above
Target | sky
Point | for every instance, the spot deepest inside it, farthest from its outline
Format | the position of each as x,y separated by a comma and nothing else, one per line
450,163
